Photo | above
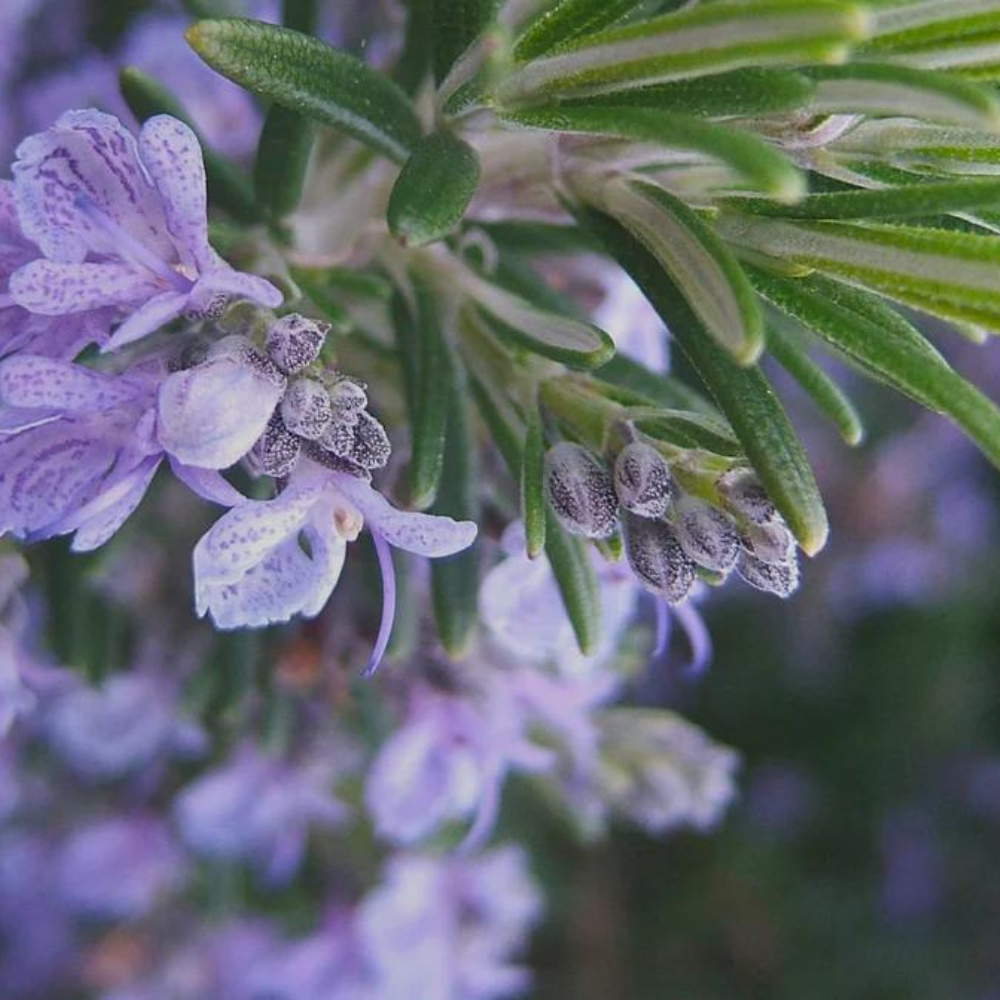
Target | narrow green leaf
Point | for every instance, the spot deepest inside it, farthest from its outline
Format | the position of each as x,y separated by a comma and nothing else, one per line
227,186
533,509
696,41
433,190
569,19
698,262
455,579
949,274
743,394
567,555
918,199
686,429
757,165
282,158
878,89
570,341
924,376
456,25
434,390
305,75
650,387
414,63
825,393
740,93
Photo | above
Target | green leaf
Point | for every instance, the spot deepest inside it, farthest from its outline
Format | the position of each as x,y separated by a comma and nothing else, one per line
305,75
533,507
567,556
697,41
825,393
743,394
434,391
648,387
918,199
227,186
949,274
757,166
433,190
740,93
455,579
457,23
414,61
282,158
878,89
686,429
561,338
569,19
925,376
698,262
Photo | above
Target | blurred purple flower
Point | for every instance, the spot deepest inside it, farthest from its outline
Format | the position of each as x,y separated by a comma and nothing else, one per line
124,726
118,868
77,451
120,224
257,808
442,928
447,762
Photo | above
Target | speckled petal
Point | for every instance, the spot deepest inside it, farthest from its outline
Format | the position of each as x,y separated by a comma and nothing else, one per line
90,154
171,153
147,319
32,381
422,534
54,289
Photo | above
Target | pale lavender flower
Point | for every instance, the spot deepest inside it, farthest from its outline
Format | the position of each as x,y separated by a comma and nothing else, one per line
77,450
120,224
447,763
441,928
118,868
250,568
55,336
124,726
257,808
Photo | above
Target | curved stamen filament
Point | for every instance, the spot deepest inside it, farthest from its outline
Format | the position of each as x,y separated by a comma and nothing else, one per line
384,553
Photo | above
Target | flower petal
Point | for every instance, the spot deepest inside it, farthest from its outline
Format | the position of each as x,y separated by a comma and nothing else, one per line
208,484
54,289
90,154
223,281
422,534
242,538
147,319
171,153
35,382
211,415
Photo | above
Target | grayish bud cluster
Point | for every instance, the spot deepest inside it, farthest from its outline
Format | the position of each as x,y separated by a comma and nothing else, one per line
671,536
322,415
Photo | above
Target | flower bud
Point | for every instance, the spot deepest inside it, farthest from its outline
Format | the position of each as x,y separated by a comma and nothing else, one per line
306,408
657,559
771,543
642,480
745,495
707,535
276,450
240,349
774,578
580,491
295,341
370,448
347,395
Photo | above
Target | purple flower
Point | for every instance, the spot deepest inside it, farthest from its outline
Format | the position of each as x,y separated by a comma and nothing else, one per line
77,451
117,868
448,928
55,336
447,762
251,568
127,724
120,224
258,809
